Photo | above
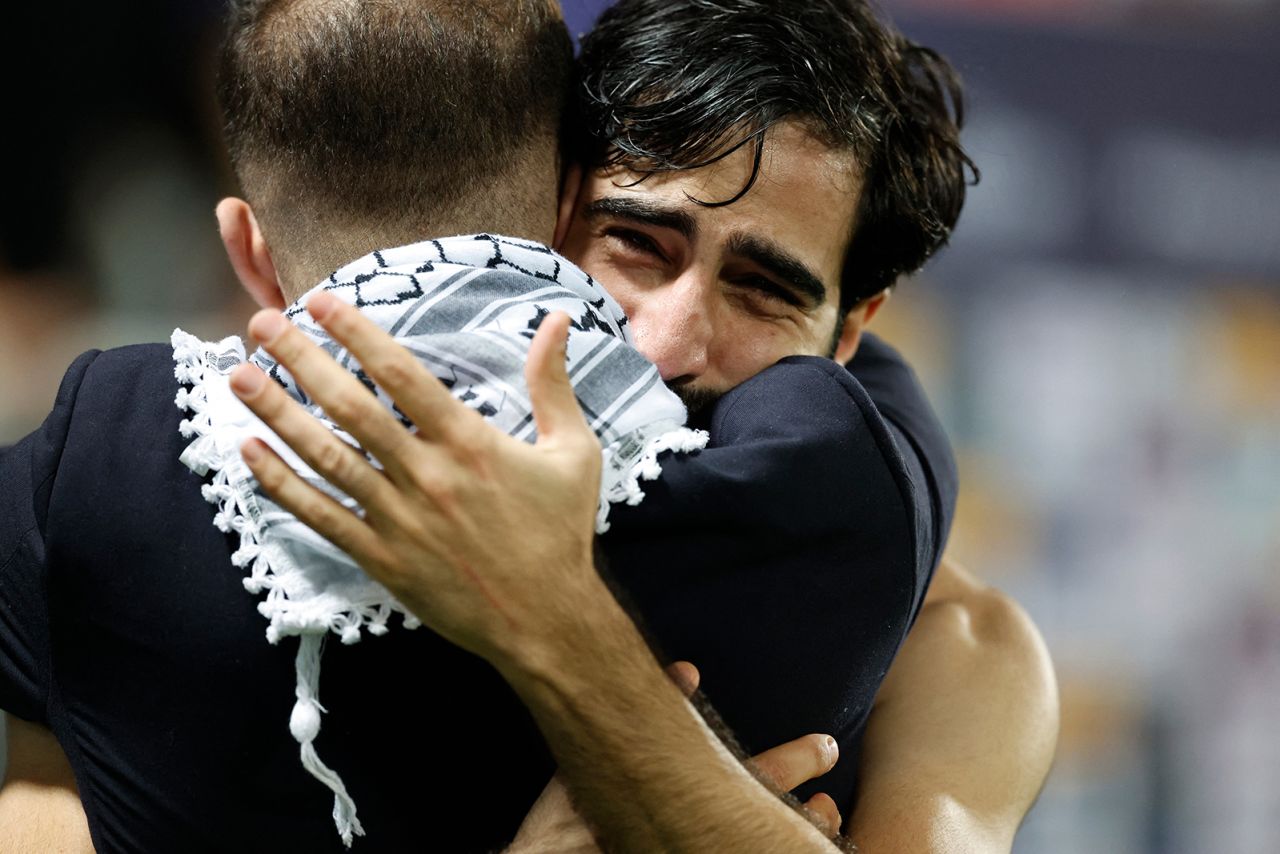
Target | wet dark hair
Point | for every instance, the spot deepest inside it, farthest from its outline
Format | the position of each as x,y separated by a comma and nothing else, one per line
388,112
667,85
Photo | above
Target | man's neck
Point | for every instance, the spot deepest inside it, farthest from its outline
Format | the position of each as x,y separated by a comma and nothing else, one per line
298,278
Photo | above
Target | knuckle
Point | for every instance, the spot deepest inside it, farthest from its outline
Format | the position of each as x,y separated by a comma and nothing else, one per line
288,347
393,371
316,510
439,491
268,403
469,445
270,478
425,481
327,518
343,408
339,317
331,458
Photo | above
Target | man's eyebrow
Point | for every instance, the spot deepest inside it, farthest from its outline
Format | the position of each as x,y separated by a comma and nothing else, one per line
646,213
793,272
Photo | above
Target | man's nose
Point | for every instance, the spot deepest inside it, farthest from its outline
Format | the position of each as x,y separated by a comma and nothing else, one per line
675,328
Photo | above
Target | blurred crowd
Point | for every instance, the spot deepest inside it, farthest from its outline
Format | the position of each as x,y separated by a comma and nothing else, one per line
1102,340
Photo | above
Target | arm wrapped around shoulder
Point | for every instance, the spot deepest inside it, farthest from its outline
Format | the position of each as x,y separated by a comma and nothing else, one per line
781,559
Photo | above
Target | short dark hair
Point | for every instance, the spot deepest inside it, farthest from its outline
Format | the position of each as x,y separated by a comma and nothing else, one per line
388,111
668,85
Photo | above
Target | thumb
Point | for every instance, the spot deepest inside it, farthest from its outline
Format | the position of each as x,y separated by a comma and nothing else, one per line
555,408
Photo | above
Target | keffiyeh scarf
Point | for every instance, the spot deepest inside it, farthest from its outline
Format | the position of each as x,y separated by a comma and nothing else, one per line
467,308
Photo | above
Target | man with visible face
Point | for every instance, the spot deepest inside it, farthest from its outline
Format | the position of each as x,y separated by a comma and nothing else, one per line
794,158
717,294
741,200
746,283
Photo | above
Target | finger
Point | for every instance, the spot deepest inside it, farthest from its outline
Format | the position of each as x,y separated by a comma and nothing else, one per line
416,391
330,457
799,761
343,397
555,407
824,813
685,675
313,508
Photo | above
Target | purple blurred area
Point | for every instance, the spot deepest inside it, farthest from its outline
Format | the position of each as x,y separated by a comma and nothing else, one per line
1102,340
581,14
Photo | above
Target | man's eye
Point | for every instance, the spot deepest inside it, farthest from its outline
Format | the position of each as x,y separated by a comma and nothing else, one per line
768,291
635,240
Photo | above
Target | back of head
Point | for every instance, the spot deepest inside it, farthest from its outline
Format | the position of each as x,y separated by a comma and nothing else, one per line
360,124
676,84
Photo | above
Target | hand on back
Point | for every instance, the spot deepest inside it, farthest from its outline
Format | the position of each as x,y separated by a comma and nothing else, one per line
486,538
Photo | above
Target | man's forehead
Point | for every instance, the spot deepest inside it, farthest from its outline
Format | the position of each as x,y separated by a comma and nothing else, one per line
790,154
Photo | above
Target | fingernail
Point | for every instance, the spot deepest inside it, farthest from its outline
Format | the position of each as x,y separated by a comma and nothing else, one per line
251,451
833,750
266,326
246,379
321,305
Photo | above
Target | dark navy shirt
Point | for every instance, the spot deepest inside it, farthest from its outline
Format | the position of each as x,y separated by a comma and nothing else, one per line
787,561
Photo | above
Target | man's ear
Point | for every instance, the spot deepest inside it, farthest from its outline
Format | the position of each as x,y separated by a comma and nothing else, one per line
569,191
856,321
249,254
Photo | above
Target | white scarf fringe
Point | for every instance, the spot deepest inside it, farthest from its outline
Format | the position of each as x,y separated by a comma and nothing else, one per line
280,556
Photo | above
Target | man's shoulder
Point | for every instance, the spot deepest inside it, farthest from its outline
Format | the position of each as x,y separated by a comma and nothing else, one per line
136,363
797,452
119,391
799,394
122,435
798,506
968,626
817,444
973,625
972,687
810,404
104,396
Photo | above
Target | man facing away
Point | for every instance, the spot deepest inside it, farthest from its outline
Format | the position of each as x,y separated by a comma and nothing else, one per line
334,233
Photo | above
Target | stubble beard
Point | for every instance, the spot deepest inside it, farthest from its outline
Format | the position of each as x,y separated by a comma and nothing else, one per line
697,400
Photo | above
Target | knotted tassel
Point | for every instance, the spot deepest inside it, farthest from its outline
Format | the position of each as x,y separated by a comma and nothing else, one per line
304,723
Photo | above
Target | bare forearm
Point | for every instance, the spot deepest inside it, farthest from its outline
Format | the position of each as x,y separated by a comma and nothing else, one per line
488,540
39,806
643,767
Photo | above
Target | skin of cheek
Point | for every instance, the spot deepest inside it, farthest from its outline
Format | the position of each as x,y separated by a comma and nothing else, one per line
739,347
755,347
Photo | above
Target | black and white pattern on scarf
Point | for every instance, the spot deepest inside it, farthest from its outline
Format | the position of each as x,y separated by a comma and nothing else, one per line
467,308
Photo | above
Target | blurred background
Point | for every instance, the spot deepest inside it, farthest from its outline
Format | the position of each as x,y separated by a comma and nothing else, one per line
1102,340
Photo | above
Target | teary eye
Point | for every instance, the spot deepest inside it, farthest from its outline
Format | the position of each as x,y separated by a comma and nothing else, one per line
770,290
636,240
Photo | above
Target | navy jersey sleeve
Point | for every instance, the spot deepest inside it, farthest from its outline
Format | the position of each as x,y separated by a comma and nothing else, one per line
28,471
922,446
786,560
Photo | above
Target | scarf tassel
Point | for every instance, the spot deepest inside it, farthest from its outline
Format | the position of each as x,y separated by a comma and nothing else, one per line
304,724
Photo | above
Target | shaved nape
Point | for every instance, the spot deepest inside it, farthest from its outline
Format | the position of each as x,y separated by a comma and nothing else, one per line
358,125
